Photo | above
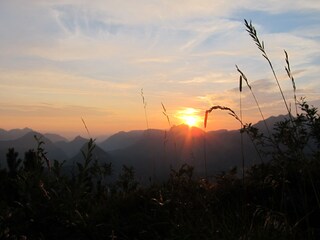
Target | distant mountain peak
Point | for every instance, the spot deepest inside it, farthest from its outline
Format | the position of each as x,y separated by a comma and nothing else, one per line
31,136
13,133
27,129
121,140
79,138
270,121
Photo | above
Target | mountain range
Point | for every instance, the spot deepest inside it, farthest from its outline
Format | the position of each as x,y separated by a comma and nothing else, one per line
151,152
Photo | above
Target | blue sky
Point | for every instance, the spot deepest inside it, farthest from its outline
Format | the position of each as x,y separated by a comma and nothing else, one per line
61,61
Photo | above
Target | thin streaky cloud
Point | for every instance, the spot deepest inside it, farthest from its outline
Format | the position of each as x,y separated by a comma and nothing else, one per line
155,60
101,53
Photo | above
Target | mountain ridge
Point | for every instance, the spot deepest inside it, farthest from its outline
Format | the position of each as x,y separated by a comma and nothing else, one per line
154,152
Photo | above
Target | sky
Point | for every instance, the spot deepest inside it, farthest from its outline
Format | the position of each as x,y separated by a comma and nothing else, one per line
113,64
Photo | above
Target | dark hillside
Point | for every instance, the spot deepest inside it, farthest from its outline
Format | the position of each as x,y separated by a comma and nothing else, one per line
27,142
121,140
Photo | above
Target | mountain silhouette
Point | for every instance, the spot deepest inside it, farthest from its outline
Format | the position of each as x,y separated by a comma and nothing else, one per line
27,142
73,147
97,154
156,152
121,140
13,133
153,152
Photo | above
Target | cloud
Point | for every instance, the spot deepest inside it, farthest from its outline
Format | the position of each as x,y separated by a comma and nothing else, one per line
61,89
51,110
184,52
57,80
213,78
165,11
155,60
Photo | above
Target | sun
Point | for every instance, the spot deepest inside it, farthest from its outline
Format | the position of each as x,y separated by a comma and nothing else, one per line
189,116
191,121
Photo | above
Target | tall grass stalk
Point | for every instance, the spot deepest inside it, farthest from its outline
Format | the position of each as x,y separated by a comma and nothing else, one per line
223,108
255,99
260,44
242,153
289,73
235,116
85,126
165,131
231,112
145,108
241,132
253,33
144,102
296,137
165,113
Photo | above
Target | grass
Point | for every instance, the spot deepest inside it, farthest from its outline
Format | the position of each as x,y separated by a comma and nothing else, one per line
288,70
260,44
243,77
145,108
40,204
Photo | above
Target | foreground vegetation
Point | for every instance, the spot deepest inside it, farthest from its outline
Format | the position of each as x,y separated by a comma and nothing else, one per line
277,199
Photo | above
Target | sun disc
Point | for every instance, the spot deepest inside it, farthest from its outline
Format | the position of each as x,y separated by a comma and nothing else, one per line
189,116
190,120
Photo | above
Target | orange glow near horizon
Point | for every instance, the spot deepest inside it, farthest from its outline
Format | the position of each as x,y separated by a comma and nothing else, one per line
66,121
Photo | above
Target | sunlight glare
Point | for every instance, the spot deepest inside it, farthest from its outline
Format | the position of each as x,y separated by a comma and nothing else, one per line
190,120
189,117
